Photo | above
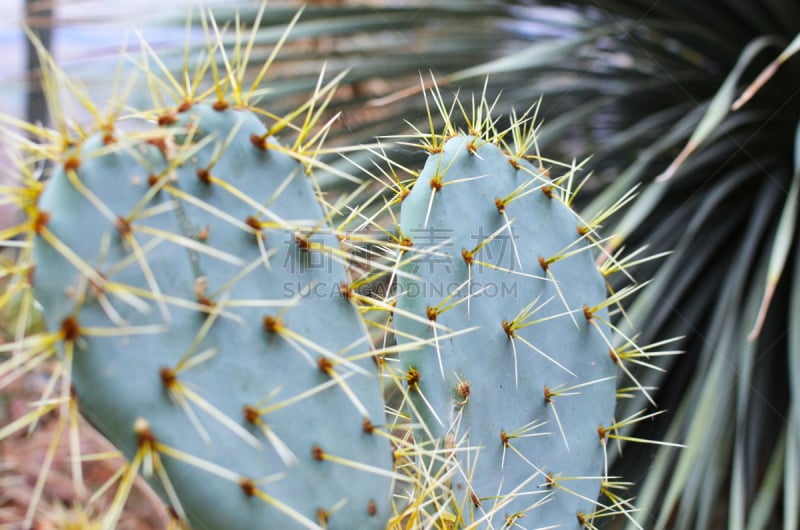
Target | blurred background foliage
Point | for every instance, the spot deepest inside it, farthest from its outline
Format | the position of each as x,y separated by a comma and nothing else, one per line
652,91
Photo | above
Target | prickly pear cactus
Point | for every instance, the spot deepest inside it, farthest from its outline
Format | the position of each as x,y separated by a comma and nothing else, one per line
199,313
512,380
201,305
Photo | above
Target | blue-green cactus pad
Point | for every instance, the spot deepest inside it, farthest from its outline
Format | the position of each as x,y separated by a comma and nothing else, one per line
482,392
180,269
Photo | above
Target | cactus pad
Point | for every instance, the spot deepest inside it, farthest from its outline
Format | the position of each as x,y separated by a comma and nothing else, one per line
193,281
513,375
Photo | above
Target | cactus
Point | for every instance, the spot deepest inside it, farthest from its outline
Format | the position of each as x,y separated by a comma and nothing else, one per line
168,279
184,269
195,286
513,385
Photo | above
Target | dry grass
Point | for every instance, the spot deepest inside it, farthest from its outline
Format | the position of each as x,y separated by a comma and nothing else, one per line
61,506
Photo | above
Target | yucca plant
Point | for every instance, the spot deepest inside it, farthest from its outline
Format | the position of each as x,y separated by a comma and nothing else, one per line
697,104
